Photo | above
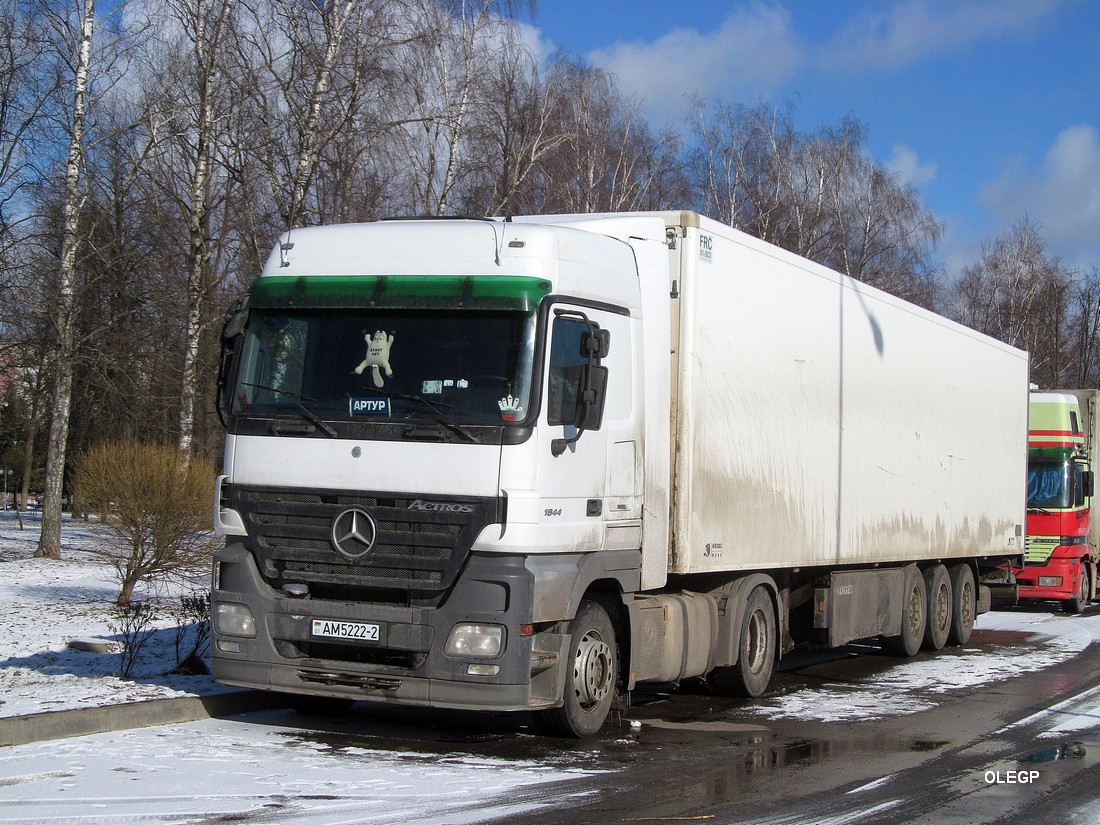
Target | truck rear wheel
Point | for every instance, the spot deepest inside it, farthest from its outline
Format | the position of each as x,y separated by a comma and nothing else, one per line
750,676
591,678
938,626
913,617
964,604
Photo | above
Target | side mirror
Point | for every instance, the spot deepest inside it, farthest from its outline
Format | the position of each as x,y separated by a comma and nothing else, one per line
236,317
595,343
590,403
592,393
1088,482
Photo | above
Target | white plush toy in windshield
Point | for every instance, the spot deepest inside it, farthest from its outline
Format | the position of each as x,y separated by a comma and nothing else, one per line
378,357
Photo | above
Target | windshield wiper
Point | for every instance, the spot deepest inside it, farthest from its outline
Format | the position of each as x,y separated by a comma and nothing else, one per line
308,414
415,432
1039,510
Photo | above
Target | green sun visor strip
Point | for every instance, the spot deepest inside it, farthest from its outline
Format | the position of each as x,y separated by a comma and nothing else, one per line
1056,454
488,292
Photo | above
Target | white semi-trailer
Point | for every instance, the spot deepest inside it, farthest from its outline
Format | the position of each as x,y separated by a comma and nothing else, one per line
529,464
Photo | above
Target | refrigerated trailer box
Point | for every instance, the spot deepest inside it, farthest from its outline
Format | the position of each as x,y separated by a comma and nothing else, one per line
528,464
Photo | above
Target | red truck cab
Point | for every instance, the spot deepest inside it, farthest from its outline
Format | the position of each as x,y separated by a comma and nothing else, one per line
1058,559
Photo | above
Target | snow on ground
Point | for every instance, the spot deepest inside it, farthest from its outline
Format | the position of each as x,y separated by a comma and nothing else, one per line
913,685
48,604
226,771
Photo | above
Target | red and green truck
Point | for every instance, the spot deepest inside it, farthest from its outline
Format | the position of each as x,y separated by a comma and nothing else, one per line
1061,545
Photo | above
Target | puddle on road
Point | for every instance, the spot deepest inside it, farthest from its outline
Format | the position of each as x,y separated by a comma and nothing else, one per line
705,727
1065,750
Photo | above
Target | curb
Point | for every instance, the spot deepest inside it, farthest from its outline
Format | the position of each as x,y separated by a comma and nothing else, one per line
61,724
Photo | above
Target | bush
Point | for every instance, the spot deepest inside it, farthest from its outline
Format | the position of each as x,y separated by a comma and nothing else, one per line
157,508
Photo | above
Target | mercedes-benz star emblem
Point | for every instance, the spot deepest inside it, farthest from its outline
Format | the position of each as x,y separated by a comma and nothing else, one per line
353,533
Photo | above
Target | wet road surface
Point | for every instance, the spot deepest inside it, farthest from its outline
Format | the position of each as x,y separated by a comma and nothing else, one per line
993,754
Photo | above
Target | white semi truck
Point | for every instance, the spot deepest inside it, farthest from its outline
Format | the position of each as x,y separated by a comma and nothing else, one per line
529,464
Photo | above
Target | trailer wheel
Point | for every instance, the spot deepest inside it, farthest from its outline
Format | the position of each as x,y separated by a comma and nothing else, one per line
913,616
938,627
964,604
755,651
1084,591
591,677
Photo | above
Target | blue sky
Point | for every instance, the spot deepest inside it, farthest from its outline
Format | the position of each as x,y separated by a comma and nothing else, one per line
991,108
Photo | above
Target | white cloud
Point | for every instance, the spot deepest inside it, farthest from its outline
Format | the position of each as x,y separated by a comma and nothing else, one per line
750,56
1063,196
907,165
901,33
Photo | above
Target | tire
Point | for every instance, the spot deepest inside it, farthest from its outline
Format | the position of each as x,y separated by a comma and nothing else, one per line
319,705
1084,591
591,678
964,604
750,676
914,612
937,585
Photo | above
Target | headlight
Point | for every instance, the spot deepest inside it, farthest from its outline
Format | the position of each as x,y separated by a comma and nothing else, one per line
475,641
234,620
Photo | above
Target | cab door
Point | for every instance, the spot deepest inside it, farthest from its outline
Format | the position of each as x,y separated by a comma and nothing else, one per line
588,460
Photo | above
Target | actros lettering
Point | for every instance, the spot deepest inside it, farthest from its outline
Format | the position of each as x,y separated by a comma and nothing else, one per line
441,507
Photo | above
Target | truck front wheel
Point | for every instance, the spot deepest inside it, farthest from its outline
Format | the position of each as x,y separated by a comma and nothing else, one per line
591,677
749,677
1084,591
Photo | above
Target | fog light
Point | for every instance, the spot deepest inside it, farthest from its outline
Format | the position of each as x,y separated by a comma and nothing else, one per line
482,670
1050,581
475,641
226,646
234,620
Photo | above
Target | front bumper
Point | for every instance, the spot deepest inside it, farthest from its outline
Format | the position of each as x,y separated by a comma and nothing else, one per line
1059,578
408,664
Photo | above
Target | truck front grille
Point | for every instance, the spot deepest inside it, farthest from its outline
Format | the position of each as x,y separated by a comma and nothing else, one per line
419,544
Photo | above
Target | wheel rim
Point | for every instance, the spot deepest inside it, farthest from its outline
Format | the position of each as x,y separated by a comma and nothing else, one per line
593,670
966,605
943,607
756,641
1083,587
916,611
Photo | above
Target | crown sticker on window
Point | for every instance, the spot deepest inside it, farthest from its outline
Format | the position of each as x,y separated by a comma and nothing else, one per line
510,409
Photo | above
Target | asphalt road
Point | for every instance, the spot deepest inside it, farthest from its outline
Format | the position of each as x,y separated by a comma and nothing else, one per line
996,754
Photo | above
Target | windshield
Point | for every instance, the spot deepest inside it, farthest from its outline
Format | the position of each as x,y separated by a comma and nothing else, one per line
468,367
1054,485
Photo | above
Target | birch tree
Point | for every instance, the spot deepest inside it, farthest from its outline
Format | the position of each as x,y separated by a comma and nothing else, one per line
816,194
206,26
1019,293
76,33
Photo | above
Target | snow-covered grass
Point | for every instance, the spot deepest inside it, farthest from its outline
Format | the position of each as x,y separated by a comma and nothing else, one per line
48,604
